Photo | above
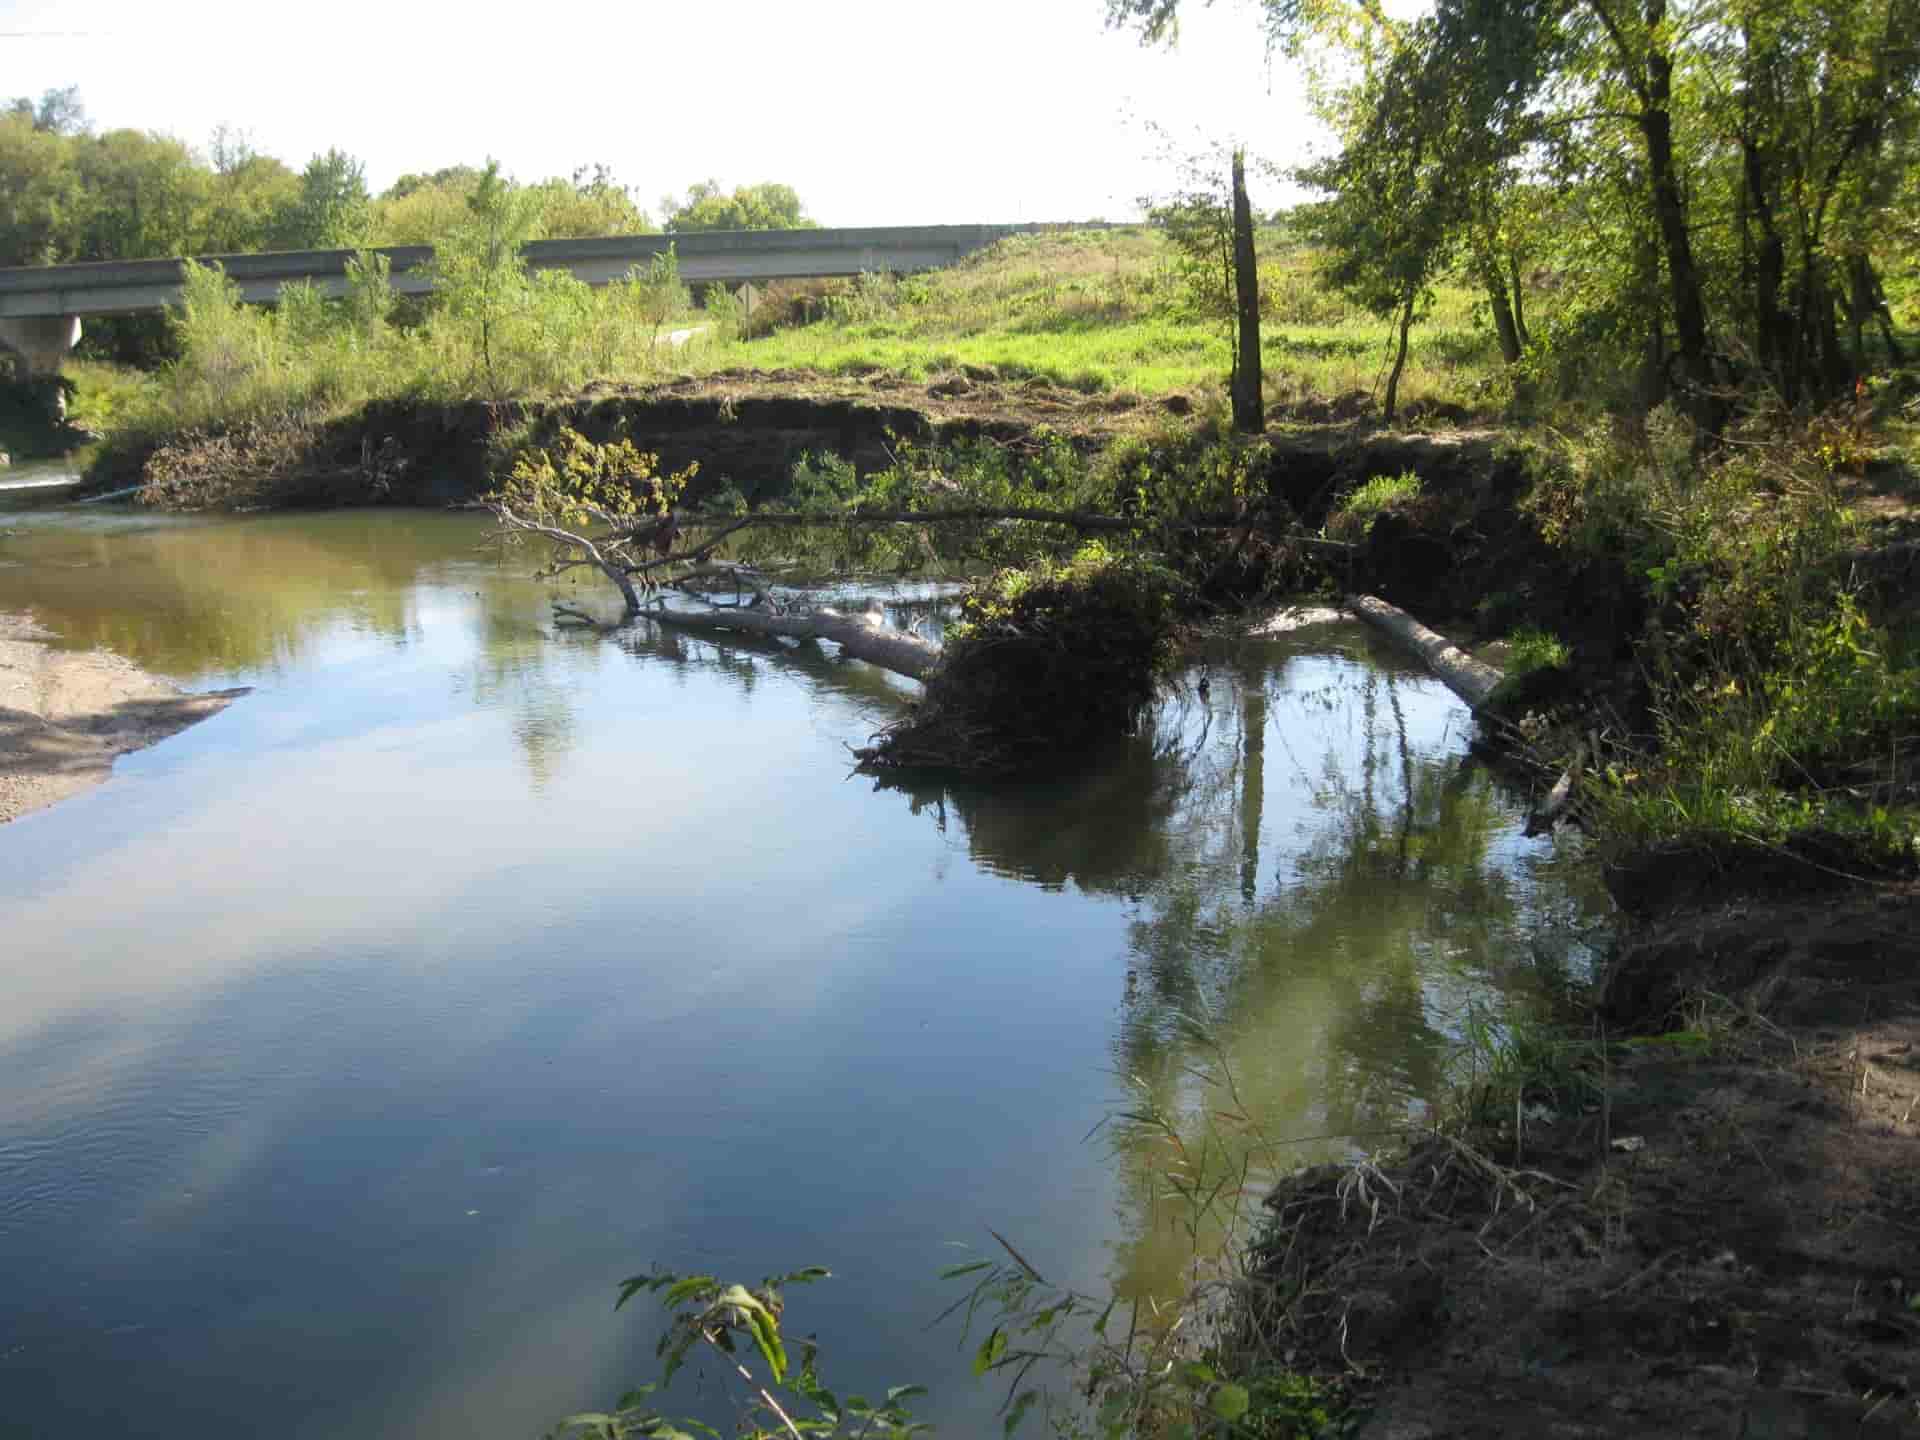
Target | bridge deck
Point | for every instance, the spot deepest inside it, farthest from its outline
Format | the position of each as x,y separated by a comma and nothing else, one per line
129,287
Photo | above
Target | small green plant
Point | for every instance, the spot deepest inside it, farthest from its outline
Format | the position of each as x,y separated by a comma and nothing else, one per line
1530,648
1354,517
1517,1071
785,1397
598,506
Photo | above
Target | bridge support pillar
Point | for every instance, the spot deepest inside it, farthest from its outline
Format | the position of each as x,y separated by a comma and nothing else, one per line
41,342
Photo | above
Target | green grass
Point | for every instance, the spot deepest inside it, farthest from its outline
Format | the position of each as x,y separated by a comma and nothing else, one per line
1109,310
1530,648
1352,519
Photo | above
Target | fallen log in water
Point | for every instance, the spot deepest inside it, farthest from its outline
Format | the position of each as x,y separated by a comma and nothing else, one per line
862,637
1472,680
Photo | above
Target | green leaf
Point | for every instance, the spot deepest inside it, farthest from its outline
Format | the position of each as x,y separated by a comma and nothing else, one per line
806,1275
1197,1374
1230,1402
990,1351
688,1288
766,1334
954,1272
744,1298
1020,1407
904,1392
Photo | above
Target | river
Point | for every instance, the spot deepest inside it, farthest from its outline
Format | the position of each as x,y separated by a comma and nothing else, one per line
360,1039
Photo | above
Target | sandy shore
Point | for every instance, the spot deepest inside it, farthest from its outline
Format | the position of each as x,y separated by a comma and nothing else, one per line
65,716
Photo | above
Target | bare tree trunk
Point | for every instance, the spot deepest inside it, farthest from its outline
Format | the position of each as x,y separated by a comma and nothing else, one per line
1249,409
1505,323
1670,212
864,639
1400,359
1519,302
1472,680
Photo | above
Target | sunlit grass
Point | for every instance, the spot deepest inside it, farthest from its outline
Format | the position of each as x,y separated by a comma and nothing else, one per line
1103,311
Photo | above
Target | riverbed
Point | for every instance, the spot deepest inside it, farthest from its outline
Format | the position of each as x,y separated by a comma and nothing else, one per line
364,1036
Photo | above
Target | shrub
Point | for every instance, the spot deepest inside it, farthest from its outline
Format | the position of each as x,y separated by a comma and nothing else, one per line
1354,517
1531,648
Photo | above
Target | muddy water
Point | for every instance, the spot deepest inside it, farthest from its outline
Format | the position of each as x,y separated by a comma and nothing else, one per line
357,1041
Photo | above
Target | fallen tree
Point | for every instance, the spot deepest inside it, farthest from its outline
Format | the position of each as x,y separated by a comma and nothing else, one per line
865,636
1472,680
1043,659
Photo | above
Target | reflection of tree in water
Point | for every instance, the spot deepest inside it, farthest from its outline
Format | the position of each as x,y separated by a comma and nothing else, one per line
520,667
1332,998
199,596
1333,968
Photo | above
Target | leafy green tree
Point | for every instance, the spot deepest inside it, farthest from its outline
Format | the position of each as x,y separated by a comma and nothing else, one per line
1763,142
459,178
1384,232
57,112
143,195
251,192
40,199
332,210
591,203
481,281
767,206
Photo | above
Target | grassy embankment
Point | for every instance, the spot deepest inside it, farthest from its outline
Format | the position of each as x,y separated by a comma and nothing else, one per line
1109,311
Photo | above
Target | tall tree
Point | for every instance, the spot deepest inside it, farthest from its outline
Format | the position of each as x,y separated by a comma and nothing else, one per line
332,210
769,206
1249,410
1774,122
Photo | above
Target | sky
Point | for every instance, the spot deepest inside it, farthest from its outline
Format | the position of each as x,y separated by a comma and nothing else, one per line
879,112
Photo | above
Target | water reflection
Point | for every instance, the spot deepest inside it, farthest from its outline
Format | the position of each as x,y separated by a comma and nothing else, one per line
467,966
1321,882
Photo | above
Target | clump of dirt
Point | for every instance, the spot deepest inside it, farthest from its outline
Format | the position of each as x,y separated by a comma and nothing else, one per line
1043,661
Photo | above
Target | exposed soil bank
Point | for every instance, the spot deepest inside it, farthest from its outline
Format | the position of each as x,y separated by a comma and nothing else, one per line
1715,1232
1700,1218
64,717
748,428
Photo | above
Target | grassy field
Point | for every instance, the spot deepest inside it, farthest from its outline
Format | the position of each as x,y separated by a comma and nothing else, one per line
1110,310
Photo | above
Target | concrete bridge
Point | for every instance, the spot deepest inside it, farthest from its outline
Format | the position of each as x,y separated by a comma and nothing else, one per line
42,306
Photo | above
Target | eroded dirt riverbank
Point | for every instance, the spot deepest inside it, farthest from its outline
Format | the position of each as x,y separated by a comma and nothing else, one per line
65,716
1704,1222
